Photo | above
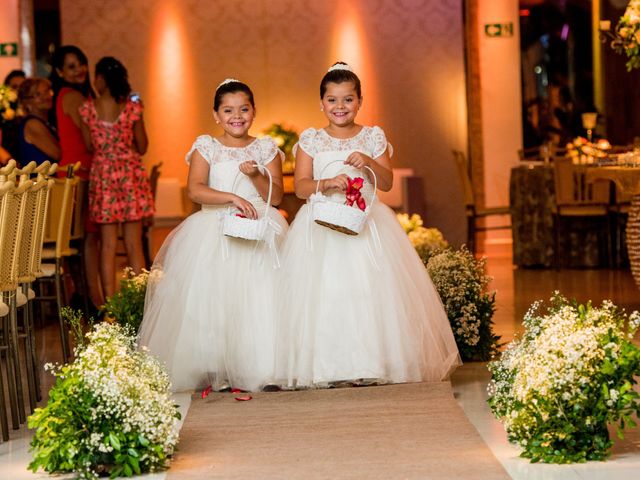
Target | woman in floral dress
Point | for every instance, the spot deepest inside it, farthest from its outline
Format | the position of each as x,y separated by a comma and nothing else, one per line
119,189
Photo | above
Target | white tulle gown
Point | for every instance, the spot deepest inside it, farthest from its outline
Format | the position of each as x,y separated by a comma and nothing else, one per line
210,304
357,308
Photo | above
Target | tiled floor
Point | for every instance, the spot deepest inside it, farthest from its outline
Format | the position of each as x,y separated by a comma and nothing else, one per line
516,290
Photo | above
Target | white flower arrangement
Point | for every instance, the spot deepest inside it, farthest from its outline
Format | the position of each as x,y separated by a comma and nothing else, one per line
110,411
571,374
626,38
426,241
462,284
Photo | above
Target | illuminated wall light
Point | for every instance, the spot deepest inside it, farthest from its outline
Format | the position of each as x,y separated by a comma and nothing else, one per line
349,45
173,109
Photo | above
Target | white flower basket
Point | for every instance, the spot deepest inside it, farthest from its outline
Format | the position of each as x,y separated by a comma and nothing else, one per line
343,218
247,228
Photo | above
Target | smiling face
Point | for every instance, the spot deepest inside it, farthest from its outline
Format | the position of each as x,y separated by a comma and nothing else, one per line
73,70
36,96
341,103
235,114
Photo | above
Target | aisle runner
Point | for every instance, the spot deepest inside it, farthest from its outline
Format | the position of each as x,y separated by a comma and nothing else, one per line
412,431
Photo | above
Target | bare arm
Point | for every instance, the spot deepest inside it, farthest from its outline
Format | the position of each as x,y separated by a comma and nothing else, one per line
305,185
40,136
4,156
71,104
381,166
86,136
261,182
199,191
140,136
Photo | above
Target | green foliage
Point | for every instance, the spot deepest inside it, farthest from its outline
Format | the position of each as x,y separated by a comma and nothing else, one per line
285,139
109,412
570,375
127,305
462,284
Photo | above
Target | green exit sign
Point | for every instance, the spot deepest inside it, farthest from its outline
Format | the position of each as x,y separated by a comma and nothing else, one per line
9,49
498,29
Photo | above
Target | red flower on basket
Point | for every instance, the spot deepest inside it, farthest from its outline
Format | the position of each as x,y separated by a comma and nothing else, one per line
353,194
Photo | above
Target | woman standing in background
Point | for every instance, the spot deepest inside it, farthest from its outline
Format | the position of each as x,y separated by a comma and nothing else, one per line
37,139
71,87
119,189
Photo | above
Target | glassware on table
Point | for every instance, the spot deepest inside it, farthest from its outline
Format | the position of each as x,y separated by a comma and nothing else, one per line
589,122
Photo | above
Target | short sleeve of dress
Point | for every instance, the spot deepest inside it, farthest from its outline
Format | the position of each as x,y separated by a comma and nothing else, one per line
205,146
306,142
268,150
87,112
379,142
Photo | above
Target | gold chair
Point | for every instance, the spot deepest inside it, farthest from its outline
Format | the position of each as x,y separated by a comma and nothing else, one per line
29,268
473,212
12,227
576,198
58,231
6,197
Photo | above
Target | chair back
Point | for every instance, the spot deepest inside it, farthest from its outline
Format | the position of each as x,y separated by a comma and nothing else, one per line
29,236
60,213
11,227
7,170
465,178
572,189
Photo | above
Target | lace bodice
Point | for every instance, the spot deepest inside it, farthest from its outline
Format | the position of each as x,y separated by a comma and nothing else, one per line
329,152
224,162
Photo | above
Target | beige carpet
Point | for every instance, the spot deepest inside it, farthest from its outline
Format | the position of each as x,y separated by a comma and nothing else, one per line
411,431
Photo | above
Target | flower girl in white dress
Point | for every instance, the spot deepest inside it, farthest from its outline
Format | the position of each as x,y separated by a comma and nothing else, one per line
210,304
357,308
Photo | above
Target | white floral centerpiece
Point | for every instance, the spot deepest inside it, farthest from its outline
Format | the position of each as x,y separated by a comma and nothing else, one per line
582,151
626,38
462,284
109,412
570,375
426,241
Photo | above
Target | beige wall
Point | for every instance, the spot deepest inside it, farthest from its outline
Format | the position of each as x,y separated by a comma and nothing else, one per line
500,97
9,32
408,53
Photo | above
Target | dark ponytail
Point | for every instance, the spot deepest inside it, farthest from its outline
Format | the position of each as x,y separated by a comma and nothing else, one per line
115,76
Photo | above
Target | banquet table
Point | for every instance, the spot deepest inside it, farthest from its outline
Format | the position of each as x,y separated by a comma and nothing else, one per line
531,203
627,179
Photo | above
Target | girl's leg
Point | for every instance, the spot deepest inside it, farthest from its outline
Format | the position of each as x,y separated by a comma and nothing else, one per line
109,242
90,248
133,245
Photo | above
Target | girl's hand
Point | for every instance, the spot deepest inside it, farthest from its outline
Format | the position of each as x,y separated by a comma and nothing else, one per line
245,207
358,160
339,182
249,169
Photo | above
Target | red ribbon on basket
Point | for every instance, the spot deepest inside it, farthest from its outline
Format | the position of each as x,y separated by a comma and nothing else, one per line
353,194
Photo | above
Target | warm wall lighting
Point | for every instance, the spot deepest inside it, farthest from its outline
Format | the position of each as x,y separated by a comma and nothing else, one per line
349,44
172,106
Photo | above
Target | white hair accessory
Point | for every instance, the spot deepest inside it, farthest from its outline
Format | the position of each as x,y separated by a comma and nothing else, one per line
340,66
227,80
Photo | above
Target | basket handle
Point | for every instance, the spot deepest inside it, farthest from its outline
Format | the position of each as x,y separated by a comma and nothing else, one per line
375,178
260,169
